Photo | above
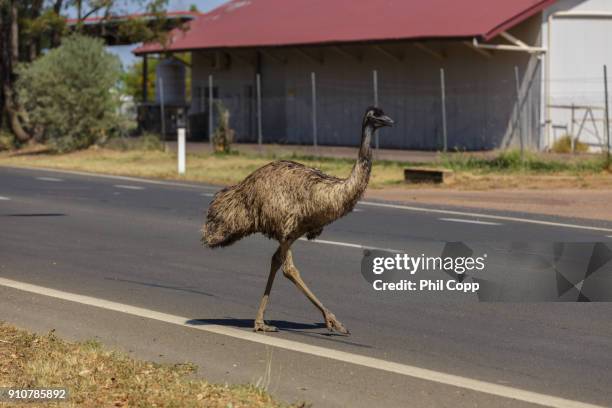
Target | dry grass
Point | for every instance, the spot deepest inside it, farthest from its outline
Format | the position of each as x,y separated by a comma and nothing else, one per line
99,378
470,174
215,169
527,181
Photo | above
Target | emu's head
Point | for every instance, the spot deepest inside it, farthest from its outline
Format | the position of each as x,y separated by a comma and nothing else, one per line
376,117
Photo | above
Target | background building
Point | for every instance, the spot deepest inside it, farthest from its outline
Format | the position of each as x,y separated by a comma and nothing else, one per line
465,75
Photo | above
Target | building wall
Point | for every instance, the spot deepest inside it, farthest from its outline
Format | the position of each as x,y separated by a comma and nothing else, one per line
579,46
481,95
233,86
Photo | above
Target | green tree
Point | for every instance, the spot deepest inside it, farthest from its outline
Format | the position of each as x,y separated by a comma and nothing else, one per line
29,26
132,79
68,93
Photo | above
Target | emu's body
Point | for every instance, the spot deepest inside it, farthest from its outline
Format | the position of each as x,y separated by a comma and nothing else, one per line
285,200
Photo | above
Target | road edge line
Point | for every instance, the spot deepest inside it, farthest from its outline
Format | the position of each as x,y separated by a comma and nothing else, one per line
337,355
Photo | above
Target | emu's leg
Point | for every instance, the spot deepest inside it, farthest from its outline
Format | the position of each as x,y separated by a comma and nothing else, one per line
259,320
293,274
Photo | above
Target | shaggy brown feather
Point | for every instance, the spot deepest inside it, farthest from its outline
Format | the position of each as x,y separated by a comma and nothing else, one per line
283,200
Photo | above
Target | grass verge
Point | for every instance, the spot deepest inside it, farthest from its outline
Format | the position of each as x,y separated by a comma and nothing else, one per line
504,170
221,169
96,377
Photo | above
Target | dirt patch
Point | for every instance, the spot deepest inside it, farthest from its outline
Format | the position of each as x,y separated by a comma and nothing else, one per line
575,203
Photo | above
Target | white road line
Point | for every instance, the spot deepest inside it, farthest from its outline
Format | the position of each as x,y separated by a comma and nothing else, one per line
49,179
469,221
2,198
126,187
348,244
208,194
271,340
486,216
112,177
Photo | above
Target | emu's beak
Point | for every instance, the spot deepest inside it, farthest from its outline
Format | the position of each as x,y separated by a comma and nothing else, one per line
386,121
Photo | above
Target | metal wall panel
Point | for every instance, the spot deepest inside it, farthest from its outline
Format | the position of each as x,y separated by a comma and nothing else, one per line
482,101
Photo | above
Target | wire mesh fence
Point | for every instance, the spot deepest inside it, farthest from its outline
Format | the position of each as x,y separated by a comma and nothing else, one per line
435,113
576,107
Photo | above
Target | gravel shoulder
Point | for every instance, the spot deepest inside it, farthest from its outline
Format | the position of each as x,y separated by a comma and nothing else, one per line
570,202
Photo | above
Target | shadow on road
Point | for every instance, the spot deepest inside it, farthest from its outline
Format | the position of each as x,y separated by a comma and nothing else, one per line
35,215
248,323
302,329
157,285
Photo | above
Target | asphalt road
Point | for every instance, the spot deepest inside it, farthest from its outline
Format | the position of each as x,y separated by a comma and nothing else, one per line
137,243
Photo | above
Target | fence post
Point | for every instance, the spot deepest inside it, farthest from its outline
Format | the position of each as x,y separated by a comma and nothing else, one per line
259,130
375,84
162,110
444,131
607,119
313,78
572,138
210,111
518,111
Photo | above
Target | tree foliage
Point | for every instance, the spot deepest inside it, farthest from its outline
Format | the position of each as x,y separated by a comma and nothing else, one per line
68,93
132,79
29,26
224,134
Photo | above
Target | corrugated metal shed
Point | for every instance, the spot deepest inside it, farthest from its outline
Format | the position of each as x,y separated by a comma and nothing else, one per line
261,23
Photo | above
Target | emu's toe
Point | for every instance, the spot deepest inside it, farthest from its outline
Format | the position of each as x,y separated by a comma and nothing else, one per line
334,324
262,327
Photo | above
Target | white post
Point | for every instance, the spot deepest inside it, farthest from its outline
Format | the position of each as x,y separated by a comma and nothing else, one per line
210,110
163,115
314,109
259,126
443,89
375,84
181,150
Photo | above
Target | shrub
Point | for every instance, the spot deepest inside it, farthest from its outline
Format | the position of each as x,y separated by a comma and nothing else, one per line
224,134
7,141
564,145
510,160
67,94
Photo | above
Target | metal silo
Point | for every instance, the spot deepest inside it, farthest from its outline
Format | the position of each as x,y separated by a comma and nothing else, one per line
171,80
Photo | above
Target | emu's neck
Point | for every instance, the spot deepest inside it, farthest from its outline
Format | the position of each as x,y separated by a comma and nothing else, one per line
355,185
365,150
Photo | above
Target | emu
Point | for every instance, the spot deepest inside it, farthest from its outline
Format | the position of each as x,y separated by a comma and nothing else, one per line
285,200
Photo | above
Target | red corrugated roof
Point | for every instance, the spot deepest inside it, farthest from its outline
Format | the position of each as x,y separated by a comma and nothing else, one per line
261,23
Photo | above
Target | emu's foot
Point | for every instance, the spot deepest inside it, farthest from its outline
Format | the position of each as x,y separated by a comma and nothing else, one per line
262,327
334,324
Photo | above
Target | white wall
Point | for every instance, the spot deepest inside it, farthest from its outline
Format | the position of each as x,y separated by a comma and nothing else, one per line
579,46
